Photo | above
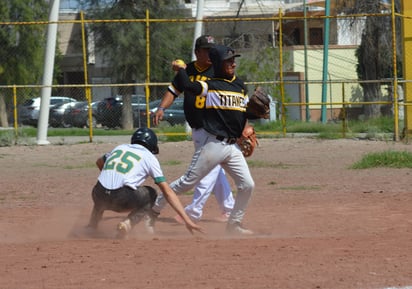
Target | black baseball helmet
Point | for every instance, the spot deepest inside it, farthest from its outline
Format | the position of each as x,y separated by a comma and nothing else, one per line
217,55
147,138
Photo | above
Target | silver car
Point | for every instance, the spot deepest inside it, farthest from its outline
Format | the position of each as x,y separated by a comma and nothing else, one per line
30,110
57,112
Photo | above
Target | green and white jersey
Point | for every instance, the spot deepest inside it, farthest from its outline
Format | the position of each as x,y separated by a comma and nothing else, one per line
130,165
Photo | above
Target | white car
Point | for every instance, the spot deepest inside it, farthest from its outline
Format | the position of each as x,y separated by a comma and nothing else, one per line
30,110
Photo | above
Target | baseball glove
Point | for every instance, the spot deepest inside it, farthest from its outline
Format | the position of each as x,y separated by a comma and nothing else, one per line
248,140
258,104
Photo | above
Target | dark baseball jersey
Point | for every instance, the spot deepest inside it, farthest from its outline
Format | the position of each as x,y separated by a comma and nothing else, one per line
193,105
225,103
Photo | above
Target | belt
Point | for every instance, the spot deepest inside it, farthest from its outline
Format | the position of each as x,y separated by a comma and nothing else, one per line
228,140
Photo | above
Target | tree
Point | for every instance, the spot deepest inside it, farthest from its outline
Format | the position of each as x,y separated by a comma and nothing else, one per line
123,44
22,46
375,59
261,64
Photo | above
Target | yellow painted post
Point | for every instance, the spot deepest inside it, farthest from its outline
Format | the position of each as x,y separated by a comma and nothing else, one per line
15,111
407,59
282,89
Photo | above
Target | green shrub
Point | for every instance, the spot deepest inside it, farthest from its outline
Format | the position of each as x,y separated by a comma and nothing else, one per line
391,159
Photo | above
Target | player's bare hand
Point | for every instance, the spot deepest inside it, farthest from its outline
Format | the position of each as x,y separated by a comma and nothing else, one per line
193,227
177,64
158,116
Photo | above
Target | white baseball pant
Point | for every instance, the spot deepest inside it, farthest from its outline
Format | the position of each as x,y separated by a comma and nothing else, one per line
209,153
215,181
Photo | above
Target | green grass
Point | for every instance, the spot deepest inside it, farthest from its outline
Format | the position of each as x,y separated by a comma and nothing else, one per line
390,159
330,129
81,166
263,164
172,163
378,125
85,165
300,188
172,133
333,130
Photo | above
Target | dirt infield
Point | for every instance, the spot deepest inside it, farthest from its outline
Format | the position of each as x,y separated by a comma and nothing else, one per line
319,224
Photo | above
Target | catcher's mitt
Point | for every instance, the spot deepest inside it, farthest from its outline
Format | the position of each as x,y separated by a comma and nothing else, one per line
248,141
258,104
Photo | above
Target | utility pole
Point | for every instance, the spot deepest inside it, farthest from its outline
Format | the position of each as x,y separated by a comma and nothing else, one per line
198,24
325,61
305,33
198,32
47,81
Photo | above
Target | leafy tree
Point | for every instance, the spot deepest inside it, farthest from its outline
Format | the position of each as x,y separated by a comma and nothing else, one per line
261,64
123,44
375,60
22,46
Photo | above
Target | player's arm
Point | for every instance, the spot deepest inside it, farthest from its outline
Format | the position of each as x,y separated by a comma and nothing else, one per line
182,80
166,102
168,98
100,161
174,201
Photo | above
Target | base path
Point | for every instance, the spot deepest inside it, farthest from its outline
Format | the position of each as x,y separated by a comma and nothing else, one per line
319,224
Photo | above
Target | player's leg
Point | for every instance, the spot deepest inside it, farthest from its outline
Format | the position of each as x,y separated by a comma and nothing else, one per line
201,193
215,181
99,205
205,186
95,217
202,190
223,195
198,139
236,166
139,202
204,159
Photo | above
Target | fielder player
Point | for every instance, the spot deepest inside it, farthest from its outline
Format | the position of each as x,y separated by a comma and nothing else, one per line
119,185
216,180
224,118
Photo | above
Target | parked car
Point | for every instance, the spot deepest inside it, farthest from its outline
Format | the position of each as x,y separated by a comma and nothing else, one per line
172,116
78,115
29,111
109,111
138,101
56,114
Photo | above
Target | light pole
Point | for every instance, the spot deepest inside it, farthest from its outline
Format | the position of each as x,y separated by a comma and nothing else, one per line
47,81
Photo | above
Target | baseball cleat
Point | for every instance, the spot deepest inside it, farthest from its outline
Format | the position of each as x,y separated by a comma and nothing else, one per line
123,228
223,218
237,229
149,222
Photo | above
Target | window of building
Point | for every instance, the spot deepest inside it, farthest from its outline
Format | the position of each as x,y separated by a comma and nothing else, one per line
315,36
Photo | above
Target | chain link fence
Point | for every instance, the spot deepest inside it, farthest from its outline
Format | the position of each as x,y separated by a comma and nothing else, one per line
118,68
